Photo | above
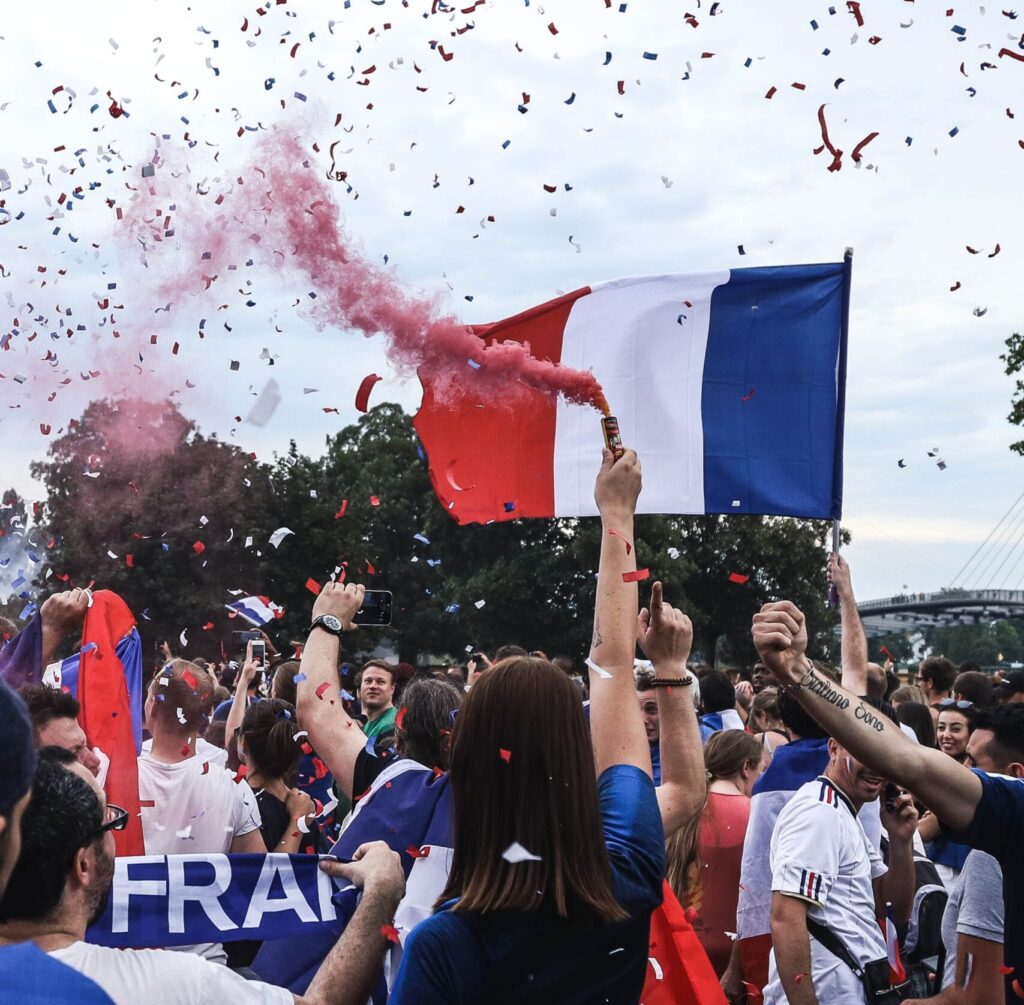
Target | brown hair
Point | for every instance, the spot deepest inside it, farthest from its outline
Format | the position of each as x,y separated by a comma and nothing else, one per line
729,751
522,770
180,705
269,729
430,705
283,685
380,665
766,702
908,692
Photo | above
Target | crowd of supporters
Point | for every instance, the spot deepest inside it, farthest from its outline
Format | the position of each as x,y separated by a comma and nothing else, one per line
517,829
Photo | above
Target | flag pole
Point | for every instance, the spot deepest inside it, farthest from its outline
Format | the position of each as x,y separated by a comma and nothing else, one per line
837,469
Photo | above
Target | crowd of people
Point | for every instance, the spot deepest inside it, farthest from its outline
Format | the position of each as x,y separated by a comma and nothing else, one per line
518,830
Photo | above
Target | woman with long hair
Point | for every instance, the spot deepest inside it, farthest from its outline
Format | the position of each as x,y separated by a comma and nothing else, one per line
554,874
918,717
703,861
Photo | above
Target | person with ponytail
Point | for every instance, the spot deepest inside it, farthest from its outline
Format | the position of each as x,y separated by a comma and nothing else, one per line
703,858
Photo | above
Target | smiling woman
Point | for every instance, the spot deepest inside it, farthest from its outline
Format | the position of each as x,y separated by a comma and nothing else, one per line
955,726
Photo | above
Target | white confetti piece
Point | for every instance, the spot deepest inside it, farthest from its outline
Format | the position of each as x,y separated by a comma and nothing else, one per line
279,535
516,853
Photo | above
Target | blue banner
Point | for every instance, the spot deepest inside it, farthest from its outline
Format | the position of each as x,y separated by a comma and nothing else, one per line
176,900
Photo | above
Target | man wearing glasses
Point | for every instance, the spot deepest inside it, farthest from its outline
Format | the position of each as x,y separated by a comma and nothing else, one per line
62,881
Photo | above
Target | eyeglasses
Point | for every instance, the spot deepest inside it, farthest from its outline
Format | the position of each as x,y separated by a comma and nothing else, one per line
116,819
954,703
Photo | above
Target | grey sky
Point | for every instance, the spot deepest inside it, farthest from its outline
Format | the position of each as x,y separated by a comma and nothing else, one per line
738,169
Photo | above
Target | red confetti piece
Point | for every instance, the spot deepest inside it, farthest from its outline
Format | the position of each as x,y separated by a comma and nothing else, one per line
622,537
190,678
198,547
954,288
44,428
206,767
738,577
1013,55
319,768
389,932
827,143
1017,989
770,93
506,755
341,511
144,804
1005,970
306,748
313,586
860,146
636,577
413,852
129,560
374,500
363,394
321,689
400,717
552,28
854,8
184,750
371,568
750,394
754,996
691,914
995,251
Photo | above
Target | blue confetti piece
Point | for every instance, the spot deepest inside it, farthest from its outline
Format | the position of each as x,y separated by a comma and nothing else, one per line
52,109
650,55
146,615
300,96
474,364
826,52
909,140
747,61
269,83
89,647
506,144
838,81
468,297
954,130
523,109
958,30
814,25
345,695
569,100
299,678
452,609
421,537
165,546
27,612
509,507
607,58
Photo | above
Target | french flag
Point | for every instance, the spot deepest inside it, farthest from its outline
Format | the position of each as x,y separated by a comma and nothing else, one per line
729,384
256,610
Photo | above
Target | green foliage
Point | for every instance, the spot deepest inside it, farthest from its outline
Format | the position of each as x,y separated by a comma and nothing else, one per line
356,512
898,644
985,643
1014,360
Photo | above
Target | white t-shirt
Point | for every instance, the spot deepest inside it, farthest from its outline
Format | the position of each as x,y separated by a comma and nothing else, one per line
192,807
131,976
820,853
205,751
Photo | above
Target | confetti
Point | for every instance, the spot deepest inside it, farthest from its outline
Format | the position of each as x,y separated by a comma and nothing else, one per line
738,577
516,853
321,688
363,394
636,577
389,932
506,755
279,535
614,533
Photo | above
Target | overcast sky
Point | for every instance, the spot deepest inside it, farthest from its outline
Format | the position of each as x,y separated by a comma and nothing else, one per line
689,163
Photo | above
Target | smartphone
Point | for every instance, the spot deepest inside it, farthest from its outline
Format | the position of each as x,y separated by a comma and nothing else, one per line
259,652
240,639
891,794
376,609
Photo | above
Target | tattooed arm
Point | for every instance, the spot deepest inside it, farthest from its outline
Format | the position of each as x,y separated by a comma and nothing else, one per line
949,789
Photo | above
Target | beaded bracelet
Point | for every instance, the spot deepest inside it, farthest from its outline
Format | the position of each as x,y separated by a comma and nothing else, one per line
672,681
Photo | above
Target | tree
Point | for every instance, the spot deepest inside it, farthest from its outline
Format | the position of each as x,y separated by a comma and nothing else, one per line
984,643
898,644
143,504
1014,360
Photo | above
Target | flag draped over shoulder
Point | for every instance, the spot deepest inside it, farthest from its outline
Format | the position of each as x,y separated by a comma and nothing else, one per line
110,693
729,384
410,809
792,765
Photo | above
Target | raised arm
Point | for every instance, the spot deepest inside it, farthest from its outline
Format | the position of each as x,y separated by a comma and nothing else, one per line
615,725
61,614
951,790
855,644
336,738
665,636
238,703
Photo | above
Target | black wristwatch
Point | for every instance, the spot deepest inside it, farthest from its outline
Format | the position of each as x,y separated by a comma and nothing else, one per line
330,624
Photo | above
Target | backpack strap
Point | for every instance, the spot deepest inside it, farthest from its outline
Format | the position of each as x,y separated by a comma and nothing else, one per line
834,945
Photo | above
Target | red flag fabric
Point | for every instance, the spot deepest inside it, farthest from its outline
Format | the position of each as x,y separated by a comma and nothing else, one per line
678,969
106,709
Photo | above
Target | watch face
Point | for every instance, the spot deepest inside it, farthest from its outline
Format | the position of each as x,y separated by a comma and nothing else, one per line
332,623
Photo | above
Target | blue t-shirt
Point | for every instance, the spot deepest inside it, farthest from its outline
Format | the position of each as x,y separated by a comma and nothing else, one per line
29,976
998,828
514,958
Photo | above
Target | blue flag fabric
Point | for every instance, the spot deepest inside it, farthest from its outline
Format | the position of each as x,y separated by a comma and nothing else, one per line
177,900
409,808
20,658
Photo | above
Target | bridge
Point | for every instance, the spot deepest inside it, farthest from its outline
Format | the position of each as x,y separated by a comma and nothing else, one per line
999,555
909,612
